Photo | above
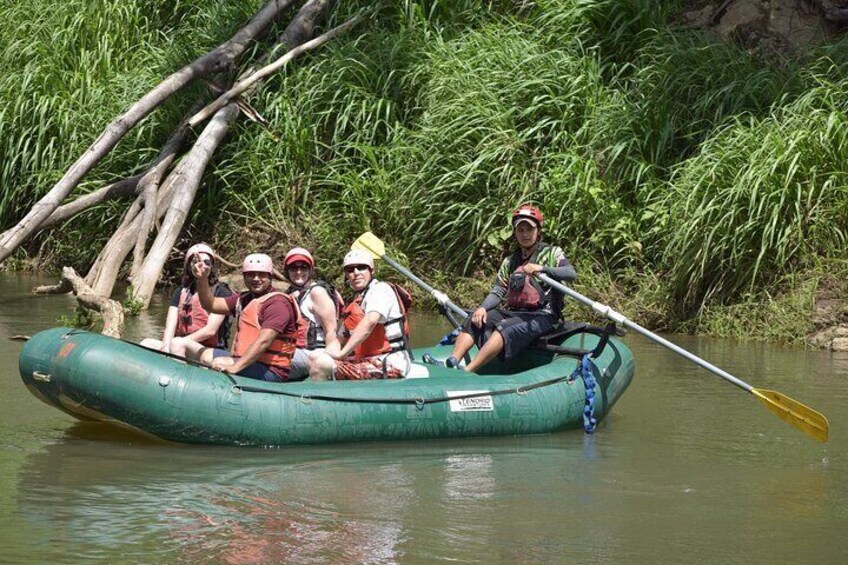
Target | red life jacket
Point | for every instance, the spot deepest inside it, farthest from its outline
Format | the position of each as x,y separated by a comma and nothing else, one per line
307,337
281,350
523,291
193,317
377,343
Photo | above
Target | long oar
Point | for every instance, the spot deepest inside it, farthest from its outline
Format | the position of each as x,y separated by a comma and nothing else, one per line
374,246
791,411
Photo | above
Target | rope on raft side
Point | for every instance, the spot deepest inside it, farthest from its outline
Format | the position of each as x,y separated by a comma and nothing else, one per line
583,370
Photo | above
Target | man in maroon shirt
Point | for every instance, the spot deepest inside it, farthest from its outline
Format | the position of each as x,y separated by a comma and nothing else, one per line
266,324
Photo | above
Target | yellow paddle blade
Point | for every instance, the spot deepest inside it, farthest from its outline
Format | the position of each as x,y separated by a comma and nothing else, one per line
812,423
370,243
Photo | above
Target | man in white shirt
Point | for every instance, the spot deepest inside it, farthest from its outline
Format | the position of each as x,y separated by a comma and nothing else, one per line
375,342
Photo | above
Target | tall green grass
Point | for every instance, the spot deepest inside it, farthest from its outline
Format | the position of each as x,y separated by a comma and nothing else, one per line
762,197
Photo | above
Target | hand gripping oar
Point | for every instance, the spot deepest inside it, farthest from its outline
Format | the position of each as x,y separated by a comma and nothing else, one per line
791,411
373,245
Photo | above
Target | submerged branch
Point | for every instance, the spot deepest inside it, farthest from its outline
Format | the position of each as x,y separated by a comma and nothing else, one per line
111,311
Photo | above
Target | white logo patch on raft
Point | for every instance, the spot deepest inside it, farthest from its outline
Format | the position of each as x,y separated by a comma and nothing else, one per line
476,404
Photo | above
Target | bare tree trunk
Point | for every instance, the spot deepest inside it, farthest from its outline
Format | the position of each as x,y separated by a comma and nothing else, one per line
214,61
127,187
121,243
194,164
250,81
185,190
121,189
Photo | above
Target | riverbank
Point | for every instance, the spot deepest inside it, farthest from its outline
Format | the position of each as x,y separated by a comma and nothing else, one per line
810,309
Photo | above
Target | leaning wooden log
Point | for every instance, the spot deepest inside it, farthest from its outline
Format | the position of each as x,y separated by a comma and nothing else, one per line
194,164
110,310
122,189
104,273
132,186
253,79
193,167
216,60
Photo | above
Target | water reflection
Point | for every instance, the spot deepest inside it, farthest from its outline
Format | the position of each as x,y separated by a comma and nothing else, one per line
307,506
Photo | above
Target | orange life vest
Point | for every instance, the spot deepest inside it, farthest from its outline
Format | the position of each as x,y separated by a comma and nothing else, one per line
193,317
377,343
281,350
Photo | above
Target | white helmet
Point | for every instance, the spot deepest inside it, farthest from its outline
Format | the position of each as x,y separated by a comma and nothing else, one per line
358,257
198,248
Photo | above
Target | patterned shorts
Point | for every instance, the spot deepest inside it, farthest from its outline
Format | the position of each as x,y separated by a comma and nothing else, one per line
365,369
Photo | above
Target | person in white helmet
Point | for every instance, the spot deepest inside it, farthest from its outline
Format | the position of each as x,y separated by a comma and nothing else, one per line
186,320
375,340
266,324
319,303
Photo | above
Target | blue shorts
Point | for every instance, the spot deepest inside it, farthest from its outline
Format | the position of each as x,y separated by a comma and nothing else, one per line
257,370
518,329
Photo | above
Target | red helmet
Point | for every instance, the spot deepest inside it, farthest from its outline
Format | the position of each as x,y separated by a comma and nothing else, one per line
298,254
527,212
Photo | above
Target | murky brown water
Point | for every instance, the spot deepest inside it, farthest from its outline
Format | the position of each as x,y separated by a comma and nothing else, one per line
687,469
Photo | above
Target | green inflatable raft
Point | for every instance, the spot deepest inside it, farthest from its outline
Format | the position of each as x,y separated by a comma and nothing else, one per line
94,377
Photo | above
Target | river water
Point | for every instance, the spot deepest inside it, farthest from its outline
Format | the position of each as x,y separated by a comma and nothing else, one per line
686,469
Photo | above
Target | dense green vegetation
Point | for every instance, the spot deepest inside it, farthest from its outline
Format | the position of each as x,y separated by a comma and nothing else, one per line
689,181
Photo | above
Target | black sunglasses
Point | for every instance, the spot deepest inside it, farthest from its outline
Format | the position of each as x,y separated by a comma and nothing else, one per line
351,268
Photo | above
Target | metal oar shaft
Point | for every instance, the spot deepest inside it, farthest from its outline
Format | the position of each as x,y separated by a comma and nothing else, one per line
622,320
441,297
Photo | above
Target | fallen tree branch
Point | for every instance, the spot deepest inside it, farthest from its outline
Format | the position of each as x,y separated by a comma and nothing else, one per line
104,273
131,186
193,166
213,61
251,80
110,310
121,189
64,287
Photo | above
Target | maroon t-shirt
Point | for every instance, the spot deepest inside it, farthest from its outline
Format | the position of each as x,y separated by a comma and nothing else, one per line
276,313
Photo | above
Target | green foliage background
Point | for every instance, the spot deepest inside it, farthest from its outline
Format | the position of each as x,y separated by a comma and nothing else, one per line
687,179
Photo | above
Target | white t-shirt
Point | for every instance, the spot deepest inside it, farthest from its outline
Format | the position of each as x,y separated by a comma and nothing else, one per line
307,309
381,298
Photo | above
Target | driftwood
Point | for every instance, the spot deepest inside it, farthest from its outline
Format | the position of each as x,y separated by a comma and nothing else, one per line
110,310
